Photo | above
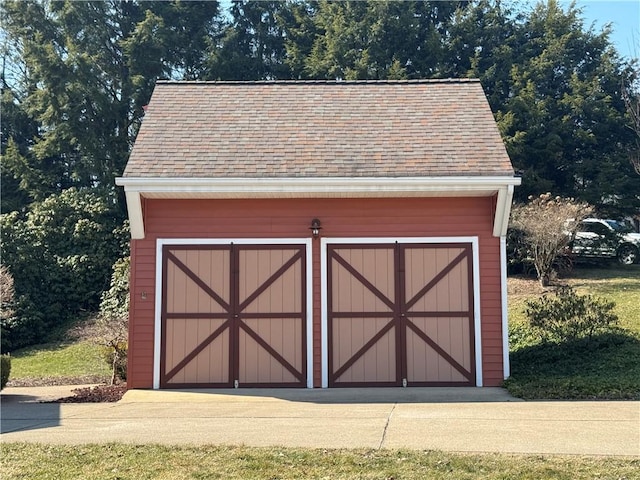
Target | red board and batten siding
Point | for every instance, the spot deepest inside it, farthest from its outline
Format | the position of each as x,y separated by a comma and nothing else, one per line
290,218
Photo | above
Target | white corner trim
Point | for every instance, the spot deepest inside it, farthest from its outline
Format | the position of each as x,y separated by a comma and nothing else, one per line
503,210
477,320
157,321
324,242
161,242
505,316
136,219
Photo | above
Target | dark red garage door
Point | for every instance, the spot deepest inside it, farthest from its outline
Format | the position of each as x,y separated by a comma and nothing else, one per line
233,315
400,314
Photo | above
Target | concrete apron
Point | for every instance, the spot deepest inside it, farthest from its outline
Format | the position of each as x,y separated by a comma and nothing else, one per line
449,419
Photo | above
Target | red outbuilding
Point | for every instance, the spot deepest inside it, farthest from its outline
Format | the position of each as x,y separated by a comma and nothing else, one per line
318,234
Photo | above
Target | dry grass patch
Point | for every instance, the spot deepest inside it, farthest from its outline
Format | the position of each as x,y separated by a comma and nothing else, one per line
118,461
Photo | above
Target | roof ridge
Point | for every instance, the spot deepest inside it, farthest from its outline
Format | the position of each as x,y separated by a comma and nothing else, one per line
316,82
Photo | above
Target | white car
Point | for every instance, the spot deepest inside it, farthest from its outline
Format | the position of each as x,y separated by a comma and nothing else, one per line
598,238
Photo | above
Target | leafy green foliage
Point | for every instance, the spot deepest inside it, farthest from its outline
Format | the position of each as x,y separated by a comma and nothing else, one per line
5,370
252,45
605,367
114,302
88,69
521,335
16,135
564,122
74,74
484,43
567,316
60,254
378,40
7,298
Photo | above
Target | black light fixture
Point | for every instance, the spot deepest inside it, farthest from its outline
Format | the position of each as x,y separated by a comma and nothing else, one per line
315,227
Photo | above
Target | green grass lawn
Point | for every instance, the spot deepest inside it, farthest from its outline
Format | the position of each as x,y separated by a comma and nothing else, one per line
119,461
70,362
605,367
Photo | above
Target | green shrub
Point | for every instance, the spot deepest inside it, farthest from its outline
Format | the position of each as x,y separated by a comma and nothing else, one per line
5,370
59,253
114,302
566,316
7,299
522,335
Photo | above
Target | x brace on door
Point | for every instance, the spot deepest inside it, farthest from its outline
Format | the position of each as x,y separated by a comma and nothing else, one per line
235,311
412,315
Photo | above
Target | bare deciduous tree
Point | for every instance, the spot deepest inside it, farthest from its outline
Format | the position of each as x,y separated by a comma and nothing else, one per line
631,96
111,334
547,223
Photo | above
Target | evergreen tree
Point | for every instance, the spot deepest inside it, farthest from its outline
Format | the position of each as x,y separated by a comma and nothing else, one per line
564,119
252,46
89,68
75,78
380,40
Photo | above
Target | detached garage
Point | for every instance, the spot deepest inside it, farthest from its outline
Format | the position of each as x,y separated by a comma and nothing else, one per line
318,234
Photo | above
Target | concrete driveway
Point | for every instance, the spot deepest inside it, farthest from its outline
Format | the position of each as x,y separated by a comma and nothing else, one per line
449,419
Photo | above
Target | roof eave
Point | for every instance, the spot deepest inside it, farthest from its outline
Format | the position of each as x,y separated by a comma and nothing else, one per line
310,187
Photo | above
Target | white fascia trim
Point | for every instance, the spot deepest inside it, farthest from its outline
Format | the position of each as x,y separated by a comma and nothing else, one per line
306,185
161,242
324,242
503,298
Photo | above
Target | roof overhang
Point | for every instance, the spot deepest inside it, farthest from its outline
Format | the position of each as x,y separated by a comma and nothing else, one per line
137,188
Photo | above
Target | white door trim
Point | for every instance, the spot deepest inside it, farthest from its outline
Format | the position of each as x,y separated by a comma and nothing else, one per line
505,308
324,242
161,242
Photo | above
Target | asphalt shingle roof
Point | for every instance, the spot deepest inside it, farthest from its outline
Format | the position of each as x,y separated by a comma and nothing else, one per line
318,129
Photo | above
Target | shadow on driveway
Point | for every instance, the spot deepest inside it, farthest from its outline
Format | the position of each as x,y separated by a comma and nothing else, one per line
24,412
367,395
